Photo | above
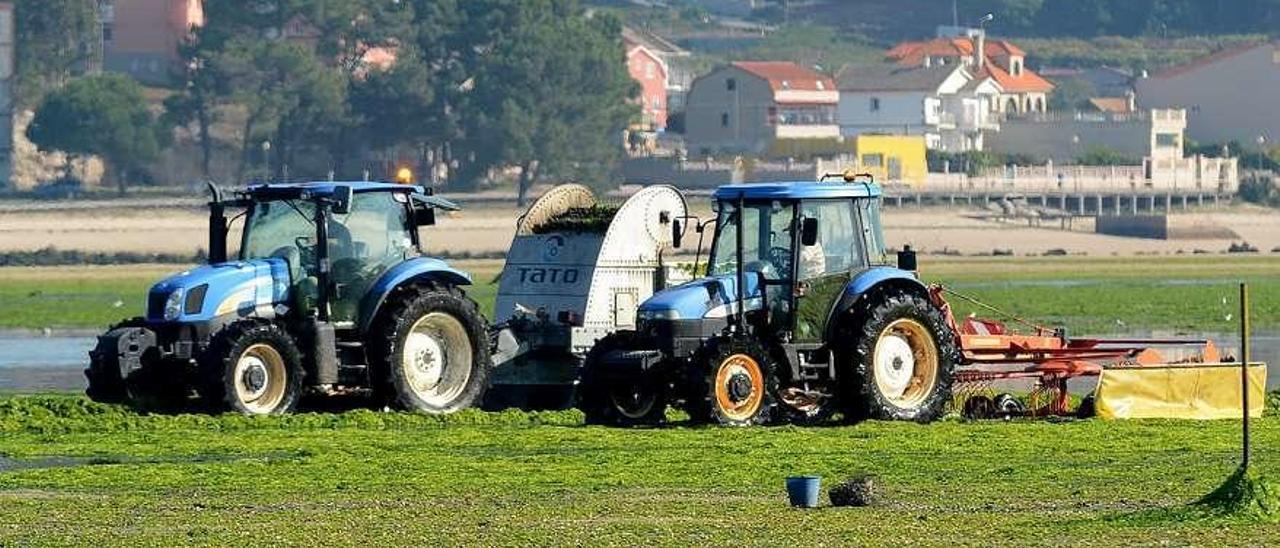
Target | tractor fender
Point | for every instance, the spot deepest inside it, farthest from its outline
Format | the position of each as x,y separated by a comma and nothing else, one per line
408,272
866,282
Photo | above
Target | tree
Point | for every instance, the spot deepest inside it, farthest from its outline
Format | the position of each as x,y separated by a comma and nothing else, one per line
104,115
55,40
287,94
553,95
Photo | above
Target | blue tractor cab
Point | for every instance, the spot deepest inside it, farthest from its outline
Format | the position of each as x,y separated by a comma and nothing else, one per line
799,315
329,291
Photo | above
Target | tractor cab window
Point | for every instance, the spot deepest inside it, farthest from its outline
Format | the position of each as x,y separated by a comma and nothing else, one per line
873,231
280,228
766,245
837,248
364,244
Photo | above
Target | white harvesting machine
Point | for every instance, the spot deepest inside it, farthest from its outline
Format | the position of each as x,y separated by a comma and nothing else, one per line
575,272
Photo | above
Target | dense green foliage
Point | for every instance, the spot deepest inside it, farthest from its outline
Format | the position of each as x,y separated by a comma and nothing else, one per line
1087,18
976,161
1098,155
54,41
91,474
103,115
481,84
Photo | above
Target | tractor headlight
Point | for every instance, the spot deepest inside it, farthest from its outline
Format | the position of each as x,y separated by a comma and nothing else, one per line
657,315
173,305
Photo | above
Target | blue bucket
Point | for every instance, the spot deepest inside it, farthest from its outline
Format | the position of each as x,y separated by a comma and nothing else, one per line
803,491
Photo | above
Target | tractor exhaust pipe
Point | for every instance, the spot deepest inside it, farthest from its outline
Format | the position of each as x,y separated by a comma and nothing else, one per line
217,226
907,259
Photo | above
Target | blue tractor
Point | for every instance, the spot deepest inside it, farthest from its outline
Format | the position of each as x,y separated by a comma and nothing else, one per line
330,291
798,317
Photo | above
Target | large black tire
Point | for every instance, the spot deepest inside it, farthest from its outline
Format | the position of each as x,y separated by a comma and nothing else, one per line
106,386
454,353
251,367
734,384
609,400
886,322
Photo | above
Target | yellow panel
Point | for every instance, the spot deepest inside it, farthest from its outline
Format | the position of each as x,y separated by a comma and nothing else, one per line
1208,391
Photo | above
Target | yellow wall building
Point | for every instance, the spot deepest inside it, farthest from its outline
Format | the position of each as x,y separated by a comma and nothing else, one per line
892,158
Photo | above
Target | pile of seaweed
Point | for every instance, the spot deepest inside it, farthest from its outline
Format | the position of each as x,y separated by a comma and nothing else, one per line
594,219
1244,494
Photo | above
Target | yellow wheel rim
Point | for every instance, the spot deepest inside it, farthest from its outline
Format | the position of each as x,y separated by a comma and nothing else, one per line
905,363
739,387
260,379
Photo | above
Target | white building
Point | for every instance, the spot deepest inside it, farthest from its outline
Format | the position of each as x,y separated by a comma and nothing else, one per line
1021,89
942,102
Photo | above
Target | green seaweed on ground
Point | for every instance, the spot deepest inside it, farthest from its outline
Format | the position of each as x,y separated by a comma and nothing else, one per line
1245,494
594,219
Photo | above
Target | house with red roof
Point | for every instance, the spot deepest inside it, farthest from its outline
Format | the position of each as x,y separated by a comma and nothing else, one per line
1022,90
650,72
748,106
1228,95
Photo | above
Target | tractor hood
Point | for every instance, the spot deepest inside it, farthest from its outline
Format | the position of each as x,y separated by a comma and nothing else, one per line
244,288
712,297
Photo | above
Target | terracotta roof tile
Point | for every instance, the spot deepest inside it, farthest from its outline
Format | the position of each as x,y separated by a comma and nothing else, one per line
914,53
1028,81
784,75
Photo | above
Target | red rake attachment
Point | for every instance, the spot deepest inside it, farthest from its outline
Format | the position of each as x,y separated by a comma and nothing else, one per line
991,352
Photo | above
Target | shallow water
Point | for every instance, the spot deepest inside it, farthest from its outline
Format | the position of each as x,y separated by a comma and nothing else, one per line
40,364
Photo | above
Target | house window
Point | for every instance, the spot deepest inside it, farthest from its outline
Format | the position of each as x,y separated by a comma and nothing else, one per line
872,160
648,70
875,104
1016,68
1012,105
1166,140
724,119
731,84
108,33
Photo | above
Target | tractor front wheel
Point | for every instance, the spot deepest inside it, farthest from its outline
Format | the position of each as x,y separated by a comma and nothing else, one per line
902,362
736,384
431,352
612,400
252,367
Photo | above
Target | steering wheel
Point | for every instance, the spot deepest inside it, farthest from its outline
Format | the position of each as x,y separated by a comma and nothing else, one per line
781,258
306,250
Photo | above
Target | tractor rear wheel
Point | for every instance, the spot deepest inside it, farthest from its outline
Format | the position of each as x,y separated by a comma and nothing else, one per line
735,384
902,361
430,350
251,367
611,400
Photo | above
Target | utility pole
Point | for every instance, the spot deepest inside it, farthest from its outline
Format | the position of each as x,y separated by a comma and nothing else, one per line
1244,373
955,13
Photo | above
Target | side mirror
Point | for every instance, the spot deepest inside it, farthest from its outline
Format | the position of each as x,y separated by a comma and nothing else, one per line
342,199
808,232
677,233
424,216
